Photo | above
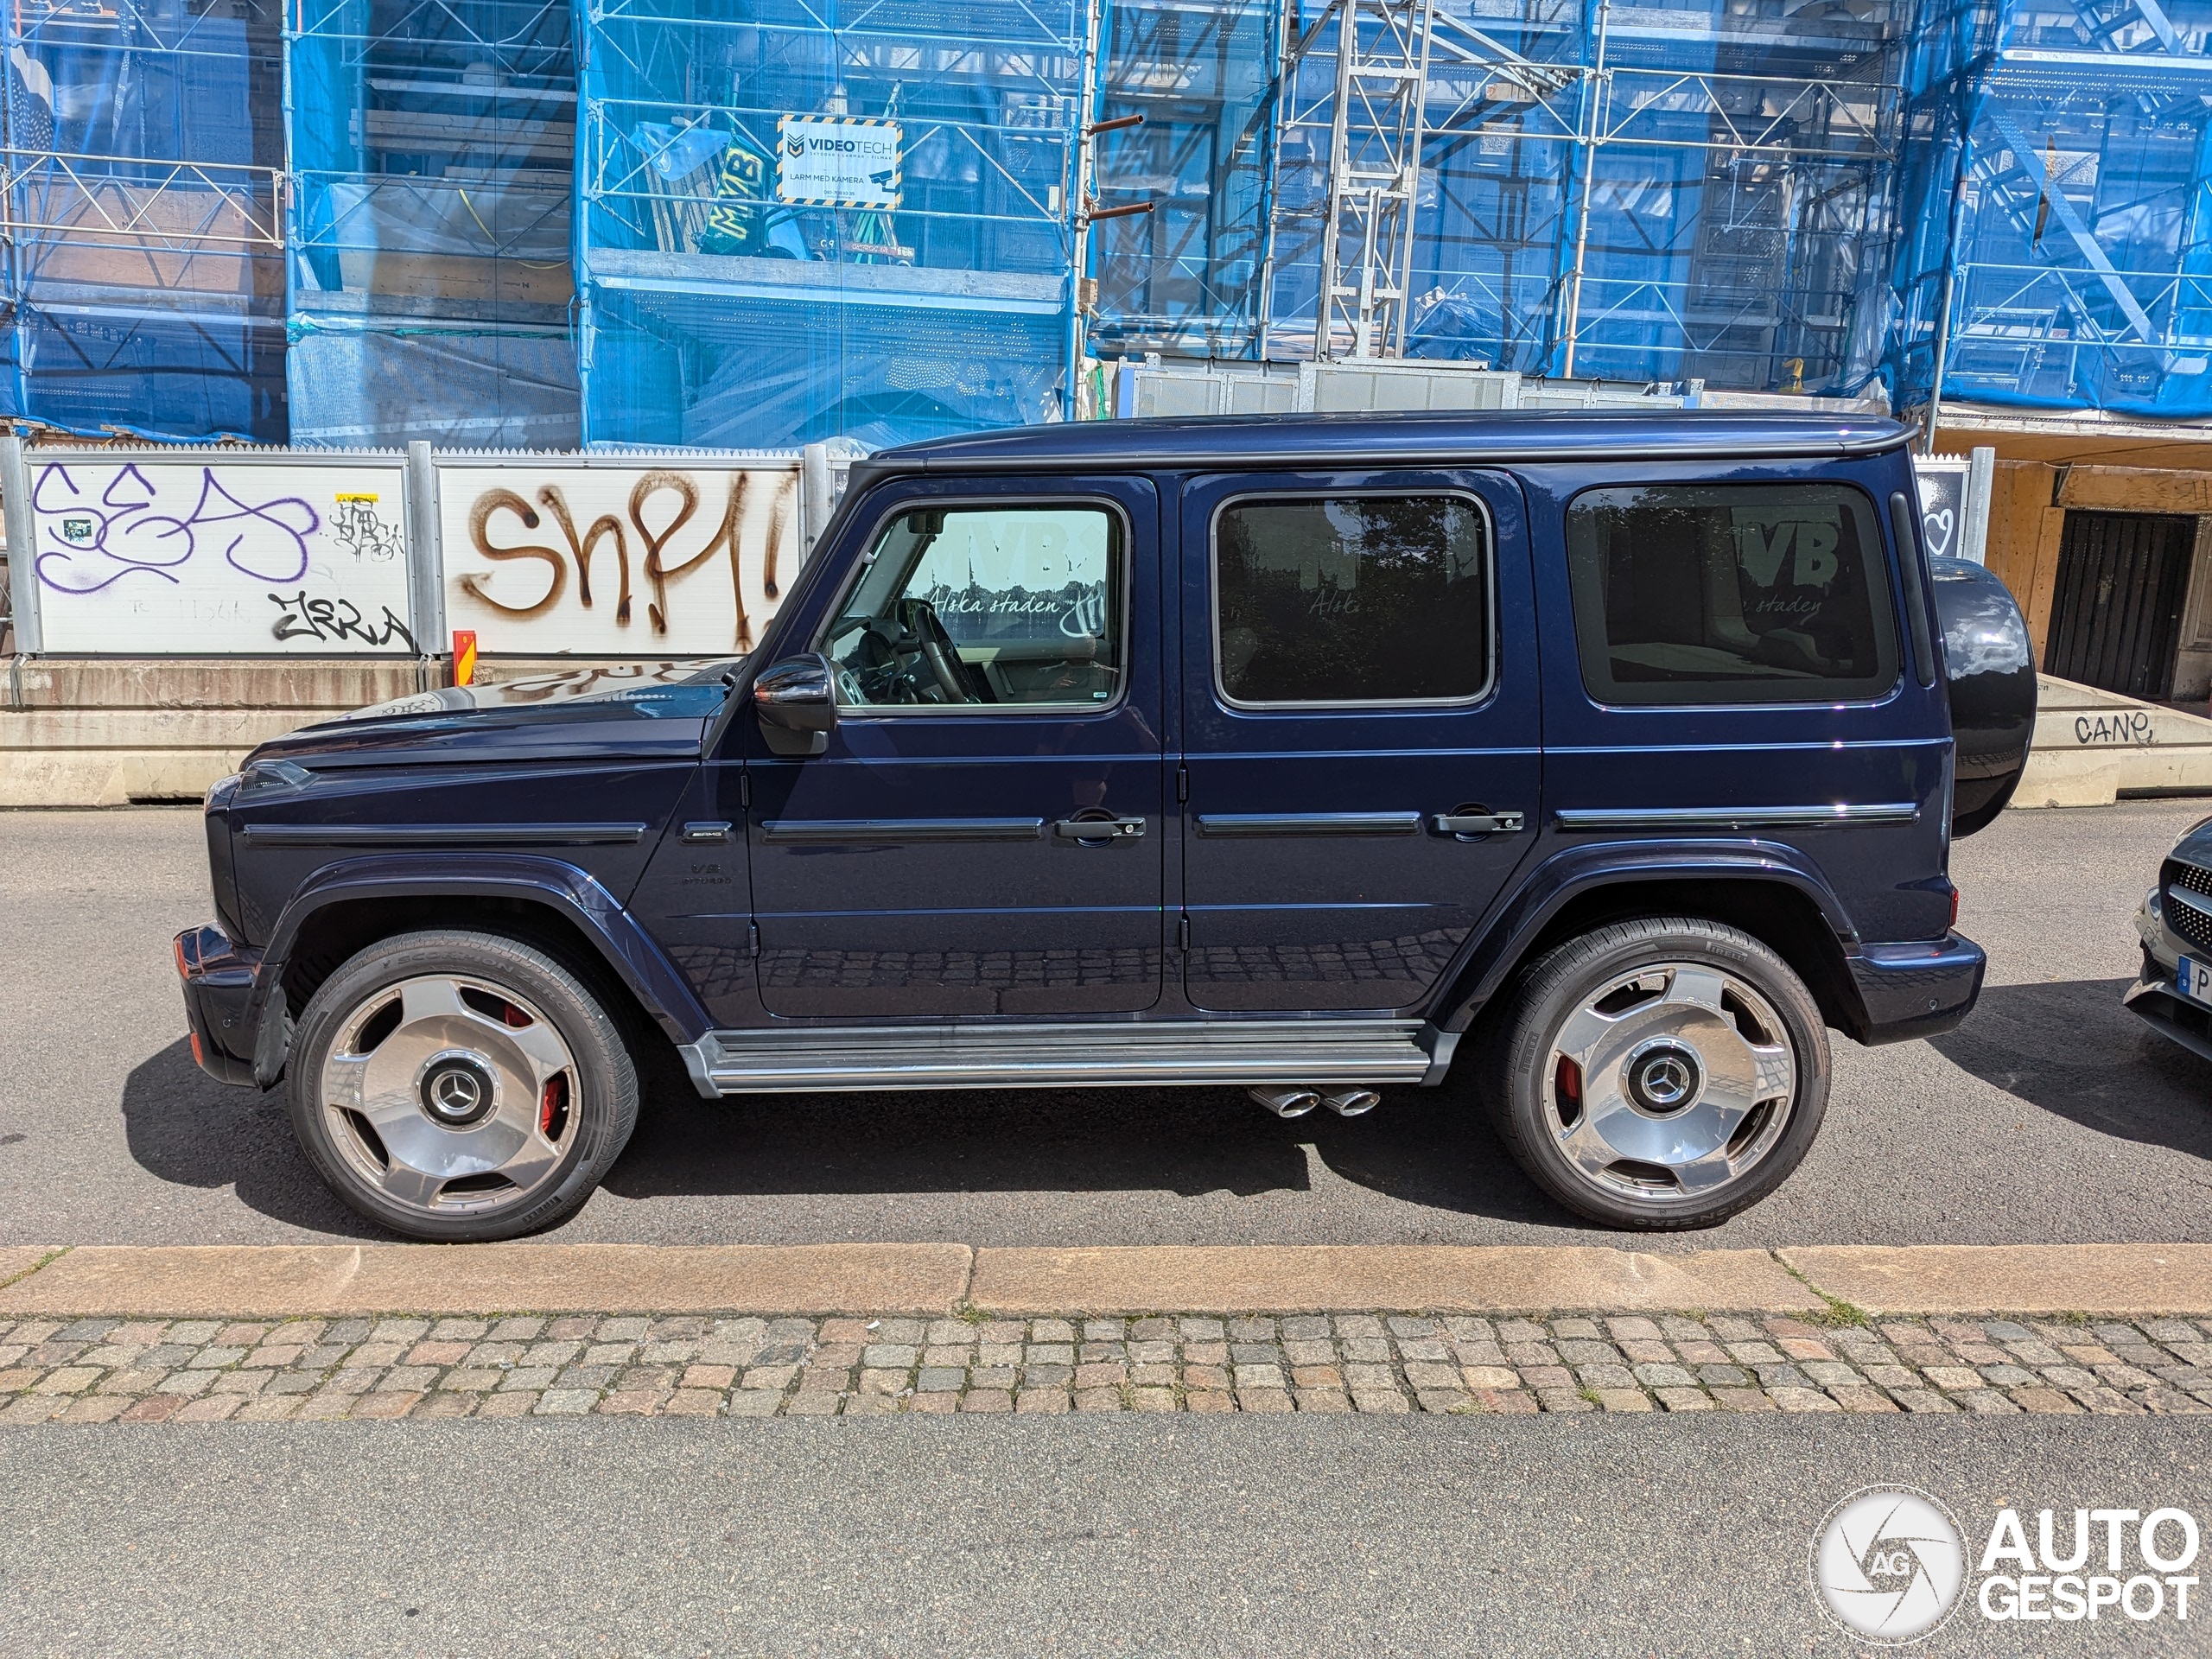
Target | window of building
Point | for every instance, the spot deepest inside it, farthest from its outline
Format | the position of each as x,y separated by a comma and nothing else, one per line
1353,598
1726,593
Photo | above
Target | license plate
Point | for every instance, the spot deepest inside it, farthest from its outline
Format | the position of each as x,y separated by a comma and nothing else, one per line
2193,979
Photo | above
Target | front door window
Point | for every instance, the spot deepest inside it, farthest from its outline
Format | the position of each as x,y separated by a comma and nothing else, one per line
1014,607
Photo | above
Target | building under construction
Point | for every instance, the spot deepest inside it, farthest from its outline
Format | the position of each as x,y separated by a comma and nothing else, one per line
534,223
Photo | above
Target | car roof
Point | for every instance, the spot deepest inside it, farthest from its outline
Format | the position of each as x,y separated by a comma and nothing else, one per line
1205,442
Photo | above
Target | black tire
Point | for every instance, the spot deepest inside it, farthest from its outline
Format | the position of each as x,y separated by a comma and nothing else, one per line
585,1107
1539,1104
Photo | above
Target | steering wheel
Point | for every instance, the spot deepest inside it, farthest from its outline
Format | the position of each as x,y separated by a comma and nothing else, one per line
937,649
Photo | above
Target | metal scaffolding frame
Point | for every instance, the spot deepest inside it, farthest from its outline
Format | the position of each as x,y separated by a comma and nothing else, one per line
1382,49
1670,191
429,280
141,192
2064,254
710,305
1181,273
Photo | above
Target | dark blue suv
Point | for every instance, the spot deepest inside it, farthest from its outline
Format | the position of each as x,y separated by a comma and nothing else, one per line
1610,758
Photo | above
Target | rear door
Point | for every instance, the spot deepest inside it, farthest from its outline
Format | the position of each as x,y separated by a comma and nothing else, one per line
1726,664
1360,717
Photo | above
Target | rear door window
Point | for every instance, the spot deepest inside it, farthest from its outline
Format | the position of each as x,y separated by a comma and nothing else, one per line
1352,599
1731,593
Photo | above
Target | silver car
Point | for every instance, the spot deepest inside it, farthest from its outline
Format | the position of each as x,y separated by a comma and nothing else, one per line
2175,992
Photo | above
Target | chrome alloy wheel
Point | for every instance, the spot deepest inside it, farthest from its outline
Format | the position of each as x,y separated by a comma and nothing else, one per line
448,1095
1675,1080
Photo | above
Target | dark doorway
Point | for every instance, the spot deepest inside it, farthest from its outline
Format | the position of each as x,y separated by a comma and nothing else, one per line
2116,617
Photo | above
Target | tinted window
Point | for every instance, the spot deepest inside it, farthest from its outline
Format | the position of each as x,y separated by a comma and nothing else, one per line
1731,594
1015,604
1352,599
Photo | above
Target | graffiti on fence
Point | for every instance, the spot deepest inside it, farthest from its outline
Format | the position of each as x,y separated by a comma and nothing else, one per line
530,560
299,617
180,558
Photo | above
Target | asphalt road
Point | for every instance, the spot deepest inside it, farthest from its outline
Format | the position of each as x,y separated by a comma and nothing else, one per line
1500,1537
2051,1115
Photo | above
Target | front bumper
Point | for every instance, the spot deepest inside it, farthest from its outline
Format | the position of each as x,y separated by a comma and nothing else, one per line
1916,990
2154,999
219,978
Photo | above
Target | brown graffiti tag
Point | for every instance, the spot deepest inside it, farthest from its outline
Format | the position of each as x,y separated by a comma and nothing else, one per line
606,524
659,571
479,517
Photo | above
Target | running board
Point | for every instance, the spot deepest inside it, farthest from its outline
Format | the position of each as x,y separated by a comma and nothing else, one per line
1013,1056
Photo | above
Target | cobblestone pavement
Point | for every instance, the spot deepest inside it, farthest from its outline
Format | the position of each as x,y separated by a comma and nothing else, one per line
212,1370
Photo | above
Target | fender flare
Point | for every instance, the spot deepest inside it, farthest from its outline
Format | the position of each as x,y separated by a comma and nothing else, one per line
1573,871
571,892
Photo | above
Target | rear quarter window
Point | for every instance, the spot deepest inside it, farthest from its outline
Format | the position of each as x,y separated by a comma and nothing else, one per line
1731,593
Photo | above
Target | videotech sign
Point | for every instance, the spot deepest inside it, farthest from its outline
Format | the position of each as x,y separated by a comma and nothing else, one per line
834,161
1891,1564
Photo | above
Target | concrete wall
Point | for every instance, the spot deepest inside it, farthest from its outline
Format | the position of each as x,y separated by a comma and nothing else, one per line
106,732
75,732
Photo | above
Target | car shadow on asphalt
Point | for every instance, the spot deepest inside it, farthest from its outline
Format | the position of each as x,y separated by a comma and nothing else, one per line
183,1126
2068,1047
1423,1146
1426,1147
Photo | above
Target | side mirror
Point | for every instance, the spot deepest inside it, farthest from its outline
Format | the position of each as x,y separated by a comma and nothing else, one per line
797,702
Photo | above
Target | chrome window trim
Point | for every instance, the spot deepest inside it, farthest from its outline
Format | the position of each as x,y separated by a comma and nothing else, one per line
444,835
1356,705
969,710
1734,818
1232,825
897,830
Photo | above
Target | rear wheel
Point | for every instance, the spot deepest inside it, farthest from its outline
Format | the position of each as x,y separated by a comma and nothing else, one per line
1659,1074
458,1086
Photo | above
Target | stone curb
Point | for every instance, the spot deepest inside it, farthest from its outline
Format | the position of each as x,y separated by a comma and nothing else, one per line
1322,1278
279,1280
2119,1280
18,1260
331,1280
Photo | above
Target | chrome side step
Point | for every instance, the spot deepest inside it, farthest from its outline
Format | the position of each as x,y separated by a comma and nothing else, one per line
1012,1057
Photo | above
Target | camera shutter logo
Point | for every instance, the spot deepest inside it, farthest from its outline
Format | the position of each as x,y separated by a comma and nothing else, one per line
1889,1564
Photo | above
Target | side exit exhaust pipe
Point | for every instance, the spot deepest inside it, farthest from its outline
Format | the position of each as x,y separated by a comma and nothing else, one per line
1286,1102
1297,1102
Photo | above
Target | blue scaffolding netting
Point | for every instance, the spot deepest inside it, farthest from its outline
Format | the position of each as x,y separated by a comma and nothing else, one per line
799,224
752,222
2061,228
428,268
144,246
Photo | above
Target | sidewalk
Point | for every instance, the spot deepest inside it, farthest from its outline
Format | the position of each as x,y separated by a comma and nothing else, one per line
205,1334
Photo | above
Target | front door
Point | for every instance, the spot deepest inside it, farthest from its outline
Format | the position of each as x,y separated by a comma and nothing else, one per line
983,835
1360,720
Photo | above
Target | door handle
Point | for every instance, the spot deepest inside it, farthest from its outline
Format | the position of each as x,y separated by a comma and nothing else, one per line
1100,830
1477,823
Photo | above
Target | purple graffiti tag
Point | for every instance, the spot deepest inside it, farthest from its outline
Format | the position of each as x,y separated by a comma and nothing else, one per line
268,513
123,531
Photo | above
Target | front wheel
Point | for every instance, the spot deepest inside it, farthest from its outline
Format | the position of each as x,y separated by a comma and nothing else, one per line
460,1087
1659,1074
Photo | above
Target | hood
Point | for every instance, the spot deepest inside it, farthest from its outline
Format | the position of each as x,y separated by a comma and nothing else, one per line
653,709
2195,846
